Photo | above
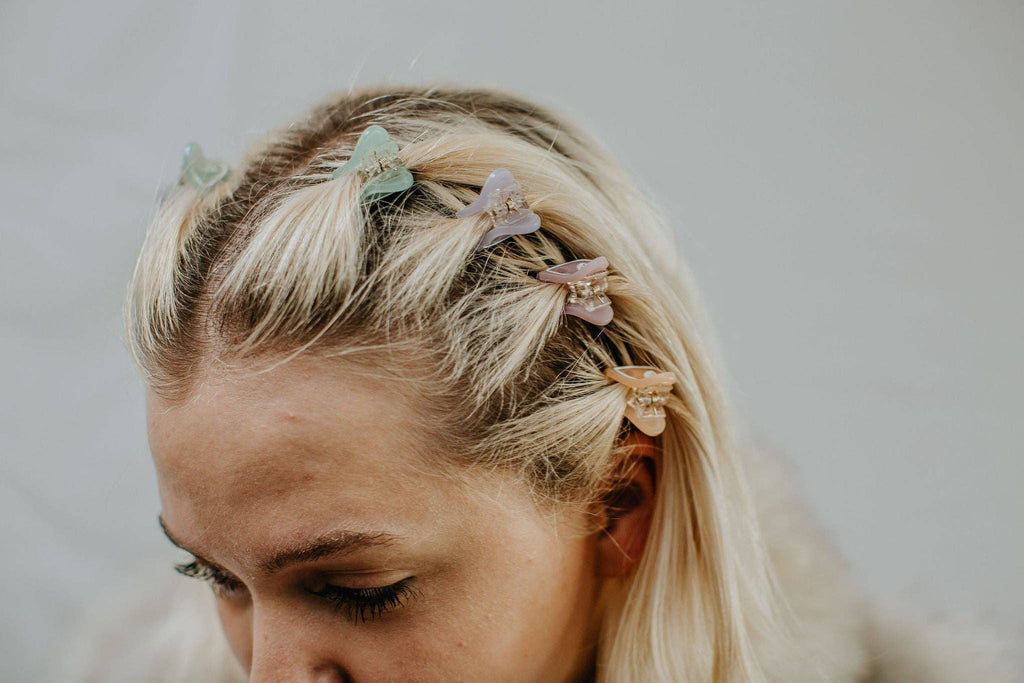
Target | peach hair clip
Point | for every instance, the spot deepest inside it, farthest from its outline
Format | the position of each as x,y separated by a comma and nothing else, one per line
649,388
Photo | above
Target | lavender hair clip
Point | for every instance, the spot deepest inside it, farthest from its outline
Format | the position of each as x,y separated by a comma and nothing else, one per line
587,280
502,198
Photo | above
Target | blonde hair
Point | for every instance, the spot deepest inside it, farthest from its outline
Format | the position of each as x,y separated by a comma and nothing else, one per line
280,259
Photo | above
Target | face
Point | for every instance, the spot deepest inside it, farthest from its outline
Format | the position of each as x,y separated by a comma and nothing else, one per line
337,550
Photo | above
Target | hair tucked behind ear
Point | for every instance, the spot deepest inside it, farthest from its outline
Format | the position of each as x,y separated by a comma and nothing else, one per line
282,259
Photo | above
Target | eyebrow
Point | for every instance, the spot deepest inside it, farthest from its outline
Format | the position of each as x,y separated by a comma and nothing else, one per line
331,544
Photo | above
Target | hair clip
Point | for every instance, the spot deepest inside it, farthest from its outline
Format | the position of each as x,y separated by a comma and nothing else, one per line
200,172
502,198
588,281
649,388
376,161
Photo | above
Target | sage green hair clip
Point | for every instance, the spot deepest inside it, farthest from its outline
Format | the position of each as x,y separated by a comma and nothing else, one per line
376,161
200,172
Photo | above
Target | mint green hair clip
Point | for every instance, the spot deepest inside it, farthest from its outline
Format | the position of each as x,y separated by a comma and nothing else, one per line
376,161
200,172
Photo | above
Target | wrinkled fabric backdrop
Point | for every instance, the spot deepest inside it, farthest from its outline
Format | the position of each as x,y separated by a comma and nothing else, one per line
845,178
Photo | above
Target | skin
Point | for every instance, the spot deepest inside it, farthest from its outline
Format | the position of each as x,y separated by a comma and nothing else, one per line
255,465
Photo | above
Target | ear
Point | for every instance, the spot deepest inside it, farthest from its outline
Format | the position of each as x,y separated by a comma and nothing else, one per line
629,507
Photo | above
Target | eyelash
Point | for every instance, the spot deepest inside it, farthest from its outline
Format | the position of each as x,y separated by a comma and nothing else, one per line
365,604
222,584
359,604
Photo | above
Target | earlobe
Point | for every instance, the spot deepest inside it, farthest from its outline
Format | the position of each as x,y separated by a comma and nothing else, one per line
629,508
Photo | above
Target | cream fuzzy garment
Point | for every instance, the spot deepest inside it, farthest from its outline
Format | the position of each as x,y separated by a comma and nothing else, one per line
167,631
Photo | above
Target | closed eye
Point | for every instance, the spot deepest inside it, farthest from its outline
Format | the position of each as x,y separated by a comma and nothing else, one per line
223,584
364,604
359,604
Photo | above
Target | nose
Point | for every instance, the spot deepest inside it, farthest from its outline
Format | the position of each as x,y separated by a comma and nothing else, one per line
328,674
283,650
276,667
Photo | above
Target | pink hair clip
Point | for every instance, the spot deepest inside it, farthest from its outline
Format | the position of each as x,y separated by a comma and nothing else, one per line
587,280
649,388
502,198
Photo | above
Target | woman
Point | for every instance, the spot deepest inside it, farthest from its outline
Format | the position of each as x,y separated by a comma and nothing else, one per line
404,445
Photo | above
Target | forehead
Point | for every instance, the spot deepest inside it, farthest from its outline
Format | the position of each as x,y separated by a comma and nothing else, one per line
302,445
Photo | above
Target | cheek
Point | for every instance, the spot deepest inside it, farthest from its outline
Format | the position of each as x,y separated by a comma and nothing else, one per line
548,599
522,613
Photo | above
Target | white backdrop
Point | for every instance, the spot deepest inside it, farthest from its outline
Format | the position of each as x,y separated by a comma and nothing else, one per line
846,179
